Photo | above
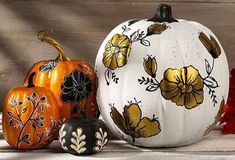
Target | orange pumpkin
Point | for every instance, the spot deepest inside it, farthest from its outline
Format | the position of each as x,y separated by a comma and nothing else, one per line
30,117
72,81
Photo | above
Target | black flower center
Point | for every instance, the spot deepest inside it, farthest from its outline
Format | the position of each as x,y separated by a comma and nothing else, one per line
79,88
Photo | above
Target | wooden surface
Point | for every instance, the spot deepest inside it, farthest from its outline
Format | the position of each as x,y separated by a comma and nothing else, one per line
214,147
82,25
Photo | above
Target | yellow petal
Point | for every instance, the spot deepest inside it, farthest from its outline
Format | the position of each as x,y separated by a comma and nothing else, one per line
167,86
147,128
154,66
192,74
173,75
107,59
190,101
199,96
113,63
123,41
108,46
198,83
147,67
132,115
118,119
171,94
179,99
205,41
121,60
115,39
216,47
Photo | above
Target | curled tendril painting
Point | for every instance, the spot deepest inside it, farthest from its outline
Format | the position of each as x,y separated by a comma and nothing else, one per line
118,48
132,123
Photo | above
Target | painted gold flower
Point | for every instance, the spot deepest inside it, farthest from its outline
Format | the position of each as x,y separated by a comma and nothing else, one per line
210,44
150,66
117,51
183,86
132,123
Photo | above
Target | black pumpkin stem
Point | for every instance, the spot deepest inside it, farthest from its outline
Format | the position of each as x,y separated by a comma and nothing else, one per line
30,80
163,14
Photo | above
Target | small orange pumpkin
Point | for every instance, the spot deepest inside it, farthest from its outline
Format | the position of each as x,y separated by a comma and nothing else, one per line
72,81
30,116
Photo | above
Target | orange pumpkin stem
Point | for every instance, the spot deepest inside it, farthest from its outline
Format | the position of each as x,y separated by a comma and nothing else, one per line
44,36
30,80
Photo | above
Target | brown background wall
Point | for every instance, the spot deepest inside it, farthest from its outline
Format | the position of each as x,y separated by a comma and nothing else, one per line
82,25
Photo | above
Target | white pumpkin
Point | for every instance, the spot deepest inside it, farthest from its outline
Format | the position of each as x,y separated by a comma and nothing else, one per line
162,81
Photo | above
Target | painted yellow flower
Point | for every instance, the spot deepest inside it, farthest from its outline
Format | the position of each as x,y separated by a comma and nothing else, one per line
150,66
117,51
132,123
183,86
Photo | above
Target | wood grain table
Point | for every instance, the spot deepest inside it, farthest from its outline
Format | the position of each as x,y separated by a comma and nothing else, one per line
214,146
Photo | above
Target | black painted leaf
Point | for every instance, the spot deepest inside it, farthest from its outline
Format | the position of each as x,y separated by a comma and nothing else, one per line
134,36
24,110
9,113
11,122
41,108
152,88
40,118
34,126
145,42
40,124
34,95
108,76
42,99
208,67
20,103
29,99
132,21
25,137
211,82
125,28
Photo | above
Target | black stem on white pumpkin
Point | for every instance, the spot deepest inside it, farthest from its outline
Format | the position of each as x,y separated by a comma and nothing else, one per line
30,80
163,14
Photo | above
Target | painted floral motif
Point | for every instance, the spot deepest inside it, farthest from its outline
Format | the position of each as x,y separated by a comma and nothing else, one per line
133,124
48,66
78,142
102,140
183,86
210,82
36,119
117,50
76,86
62,134
150,67
210,44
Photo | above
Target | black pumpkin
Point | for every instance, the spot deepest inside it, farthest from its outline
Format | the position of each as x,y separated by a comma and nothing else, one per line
83,136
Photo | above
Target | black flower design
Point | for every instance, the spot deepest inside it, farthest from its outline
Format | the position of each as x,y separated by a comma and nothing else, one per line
76,86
